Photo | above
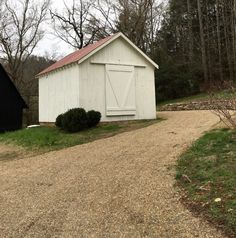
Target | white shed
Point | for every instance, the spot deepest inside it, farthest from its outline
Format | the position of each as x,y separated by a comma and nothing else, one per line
112,76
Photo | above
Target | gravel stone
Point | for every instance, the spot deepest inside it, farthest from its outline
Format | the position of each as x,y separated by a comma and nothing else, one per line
123,186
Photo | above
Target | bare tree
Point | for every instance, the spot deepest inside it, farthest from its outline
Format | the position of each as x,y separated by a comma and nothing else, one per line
77,25
20,31
225,108
140,21
132,20
153,25
107,13
87,21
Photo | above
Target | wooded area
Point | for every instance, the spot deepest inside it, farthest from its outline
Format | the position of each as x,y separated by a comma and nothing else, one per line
193,41
198,37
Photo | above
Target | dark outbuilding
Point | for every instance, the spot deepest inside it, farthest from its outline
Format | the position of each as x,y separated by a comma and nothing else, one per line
11,104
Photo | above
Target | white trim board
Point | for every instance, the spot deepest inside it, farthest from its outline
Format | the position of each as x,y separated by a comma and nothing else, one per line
116,63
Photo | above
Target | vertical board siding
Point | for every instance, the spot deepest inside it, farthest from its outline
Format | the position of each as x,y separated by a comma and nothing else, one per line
84,85
119,51
145,88
92,87
58,92
93,81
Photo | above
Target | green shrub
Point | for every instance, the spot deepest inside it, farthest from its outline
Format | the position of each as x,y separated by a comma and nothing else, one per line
93,118
58,122
74,120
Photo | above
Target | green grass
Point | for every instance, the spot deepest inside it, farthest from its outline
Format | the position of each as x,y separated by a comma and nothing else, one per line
225,94
51,138
210,168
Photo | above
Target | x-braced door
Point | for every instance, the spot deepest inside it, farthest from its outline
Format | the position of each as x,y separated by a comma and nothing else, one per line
120,90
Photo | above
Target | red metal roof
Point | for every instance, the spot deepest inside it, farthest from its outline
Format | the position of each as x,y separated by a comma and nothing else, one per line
76,56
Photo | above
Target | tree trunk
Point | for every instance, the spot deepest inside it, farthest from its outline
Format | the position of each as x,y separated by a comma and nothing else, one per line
233,28
227,43
203,45
190,32
208,48
219,41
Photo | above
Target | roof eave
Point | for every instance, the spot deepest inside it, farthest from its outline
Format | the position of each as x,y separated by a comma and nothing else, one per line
40,75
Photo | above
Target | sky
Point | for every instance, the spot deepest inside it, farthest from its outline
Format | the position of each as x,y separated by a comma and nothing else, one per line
50,44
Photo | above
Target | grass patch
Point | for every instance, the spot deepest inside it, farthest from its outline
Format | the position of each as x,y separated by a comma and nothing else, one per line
225,94
46,139
207,171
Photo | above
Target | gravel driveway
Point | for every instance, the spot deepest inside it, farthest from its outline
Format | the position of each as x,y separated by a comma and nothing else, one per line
117,187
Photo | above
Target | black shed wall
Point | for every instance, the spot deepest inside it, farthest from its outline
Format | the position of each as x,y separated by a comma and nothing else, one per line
11,104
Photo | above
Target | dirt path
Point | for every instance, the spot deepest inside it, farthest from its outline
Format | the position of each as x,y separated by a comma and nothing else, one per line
117,187
10,152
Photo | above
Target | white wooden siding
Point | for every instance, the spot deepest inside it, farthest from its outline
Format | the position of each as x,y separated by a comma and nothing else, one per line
85,86
120,52
93,81
145,89
58,92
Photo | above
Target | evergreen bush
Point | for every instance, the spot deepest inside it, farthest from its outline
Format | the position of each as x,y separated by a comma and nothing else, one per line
74,120
58,122
93,118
